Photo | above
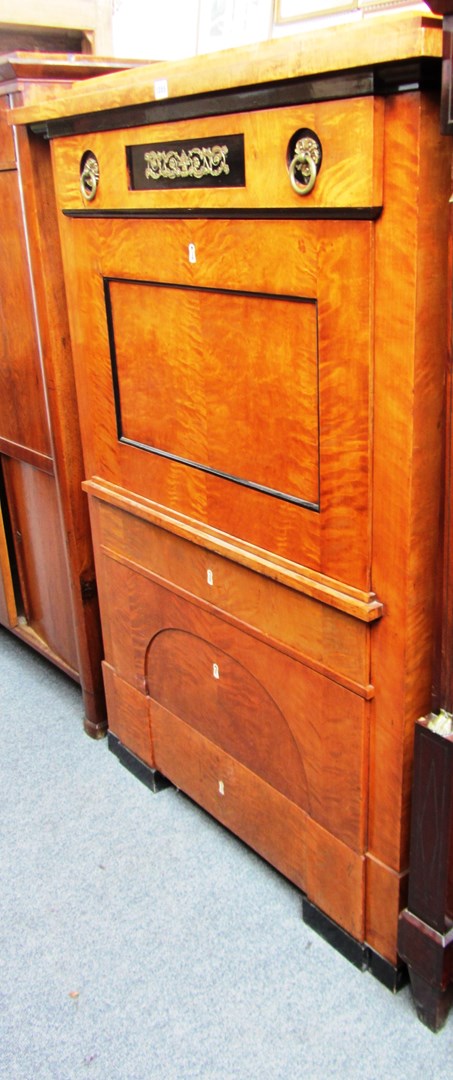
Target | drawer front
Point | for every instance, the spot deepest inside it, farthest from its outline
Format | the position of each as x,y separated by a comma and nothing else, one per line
239,161
328,640
300,732
329,872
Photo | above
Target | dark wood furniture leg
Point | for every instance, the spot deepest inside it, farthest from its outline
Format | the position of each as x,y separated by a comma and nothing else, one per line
425,939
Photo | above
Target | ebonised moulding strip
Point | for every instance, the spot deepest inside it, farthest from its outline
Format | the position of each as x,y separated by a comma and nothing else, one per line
383,79
305,504
317,213
222,102
179,286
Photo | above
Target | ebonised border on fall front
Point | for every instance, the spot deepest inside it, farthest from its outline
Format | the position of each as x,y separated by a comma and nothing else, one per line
240,481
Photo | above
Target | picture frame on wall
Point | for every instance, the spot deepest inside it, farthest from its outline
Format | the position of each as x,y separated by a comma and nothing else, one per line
288,11
226,24
293,11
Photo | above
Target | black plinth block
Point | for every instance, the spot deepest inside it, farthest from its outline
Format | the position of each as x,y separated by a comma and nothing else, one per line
151,777
358,953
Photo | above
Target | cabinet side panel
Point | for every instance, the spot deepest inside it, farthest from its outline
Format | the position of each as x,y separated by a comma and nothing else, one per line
411,354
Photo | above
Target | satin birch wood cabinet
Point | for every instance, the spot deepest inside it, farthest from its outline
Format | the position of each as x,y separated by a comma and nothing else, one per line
255,250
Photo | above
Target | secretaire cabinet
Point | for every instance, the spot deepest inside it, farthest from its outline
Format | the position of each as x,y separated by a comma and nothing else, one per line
255,254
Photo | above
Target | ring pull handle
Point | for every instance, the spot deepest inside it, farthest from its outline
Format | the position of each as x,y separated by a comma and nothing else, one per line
89,177
305,164
304,161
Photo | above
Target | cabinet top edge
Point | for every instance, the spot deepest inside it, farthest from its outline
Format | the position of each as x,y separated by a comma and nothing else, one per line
37,66
373,41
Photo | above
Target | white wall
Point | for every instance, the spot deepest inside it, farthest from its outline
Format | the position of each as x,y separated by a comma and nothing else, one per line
226,23
155,29
173,29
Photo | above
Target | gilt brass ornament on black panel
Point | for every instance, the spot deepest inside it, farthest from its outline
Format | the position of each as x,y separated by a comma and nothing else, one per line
217,161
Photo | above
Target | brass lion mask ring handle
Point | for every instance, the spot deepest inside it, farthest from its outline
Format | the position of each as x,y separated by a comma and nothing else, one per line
89,177
305,163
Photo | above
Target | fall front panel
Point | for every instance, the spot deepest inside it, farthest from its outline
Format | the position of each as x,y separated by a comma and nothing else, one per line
219,380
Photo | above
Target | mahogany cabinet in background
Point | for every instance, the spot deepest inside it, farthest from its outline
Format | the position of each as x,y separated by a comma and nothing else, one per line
257,294
47,580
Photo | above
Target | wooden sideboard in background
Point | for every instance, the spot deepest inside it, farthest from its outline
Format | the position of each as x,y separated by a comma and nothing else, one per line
75,26
47,580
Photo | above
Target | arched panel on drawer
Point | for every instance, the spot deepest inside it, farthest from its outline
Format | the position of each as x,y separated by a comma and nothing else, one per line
217,696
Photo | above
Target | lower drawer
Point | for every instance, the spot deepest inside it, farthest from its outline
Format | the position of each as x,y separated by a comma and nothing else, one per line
326,869
302,734
318,863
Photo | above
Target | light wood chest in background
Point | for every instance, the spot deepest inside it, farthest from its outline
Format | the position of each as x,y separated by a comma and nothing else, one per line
47,579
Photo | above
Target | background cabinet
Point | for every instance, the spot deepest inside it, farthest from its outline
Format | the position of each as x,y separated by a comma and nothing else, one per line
75,26
47,581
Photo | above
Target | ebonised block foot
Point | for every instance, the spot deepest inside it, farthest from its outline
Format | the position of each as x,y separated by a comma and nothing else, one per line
152,778
357,952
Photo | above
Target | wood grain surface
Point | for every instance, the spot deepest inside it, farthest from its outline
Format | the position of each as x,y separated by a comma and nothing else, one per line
397,37
271,658
333,268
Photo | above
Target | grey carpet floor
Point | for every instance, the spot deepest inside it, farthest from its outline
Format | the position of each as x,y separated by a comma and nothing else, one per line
140,940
